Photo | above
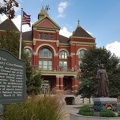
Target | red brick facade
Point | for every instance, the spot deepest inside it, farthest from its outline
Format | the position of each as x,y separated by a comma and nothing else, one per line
56,56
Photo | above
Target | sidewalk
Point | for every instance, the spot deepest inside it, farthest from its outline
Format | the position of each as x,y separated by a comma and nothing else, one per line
67,109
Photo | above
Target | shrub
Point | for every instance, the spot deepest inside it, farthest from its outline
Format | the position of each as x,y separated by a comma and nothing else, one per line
106,113
118,109
42,108
86,111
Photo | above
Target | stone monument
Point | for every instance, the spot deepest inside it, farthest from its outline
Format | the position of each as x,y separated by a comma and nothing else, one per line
12,78
103,101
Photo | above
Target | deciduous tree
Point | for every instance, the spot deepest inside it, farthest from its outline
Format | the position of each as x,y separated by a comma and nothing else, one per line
9,40
7,7
89,66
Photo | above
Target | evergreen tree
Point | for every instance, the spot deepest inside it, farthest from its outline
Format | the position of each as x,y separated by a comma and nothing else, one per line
91,60
34,84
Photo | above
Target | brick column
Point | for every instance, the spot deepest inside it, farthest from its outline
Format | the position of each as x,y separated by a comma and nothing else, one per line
61,84
57,82
73,82
76,84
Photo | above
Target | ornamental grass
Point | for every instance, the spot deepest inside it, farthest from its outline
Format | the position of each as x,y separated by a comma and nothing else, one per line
35,108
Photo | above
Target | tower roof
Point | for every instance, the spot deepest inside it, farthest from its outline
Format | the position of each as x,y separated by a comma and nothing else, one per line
43,12
80,32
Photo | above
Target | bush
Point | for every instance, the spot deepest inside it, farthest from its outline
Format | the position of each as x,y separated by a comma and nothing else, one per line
118,109
42,108
86,111
106,113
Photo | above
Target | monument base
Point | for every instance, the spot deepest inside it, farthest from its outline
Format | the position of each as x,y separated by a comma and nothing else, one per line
105,103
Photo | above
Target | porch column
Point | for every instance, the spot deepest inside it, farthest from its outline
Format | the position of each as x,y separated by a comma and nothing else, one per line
61,84
76,84
73,82
57,82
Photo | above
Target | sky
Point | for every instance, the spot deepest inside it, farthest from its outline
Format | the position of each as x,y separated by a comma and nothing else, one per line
100,18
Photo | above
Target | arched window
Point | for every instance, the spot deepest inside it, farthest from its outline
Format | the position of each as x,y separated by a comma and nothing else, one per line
45,53
81,53
63,60
28,51
63,54
80,56
45,59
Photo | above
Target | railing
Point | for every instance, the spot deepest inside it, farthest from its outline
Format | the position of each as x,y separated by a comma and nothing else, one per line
58,68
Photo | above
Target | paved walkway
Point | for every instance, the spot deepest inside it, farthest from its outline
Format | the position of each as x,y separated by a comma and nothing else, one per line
67,109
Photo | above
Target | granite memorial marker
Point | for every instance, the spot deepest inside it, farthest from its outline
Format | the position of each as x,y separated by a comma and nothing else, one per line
12,78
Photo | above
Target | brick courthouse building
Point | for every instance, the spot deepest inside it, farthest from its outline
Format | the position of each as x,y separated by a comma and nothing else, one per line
56,56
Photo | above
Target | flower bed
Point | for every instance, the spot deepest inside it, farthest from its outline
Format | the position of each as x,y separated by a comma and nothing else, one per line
74,116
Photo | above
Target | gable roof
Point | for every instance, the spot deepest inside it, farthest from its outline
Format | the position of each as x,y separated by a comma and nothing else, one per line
8,25
50,23
80,32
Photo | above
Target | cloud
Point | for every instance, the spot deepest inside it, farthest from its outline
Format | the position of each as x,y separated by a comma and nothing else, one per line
17,22
1,2
65,32
61,7
114,48
2,18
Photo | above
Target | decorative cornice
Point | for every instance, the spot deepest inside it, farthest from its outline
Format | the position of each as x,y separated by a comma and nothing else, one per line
27,41
82,43
46,30
42,40
64,44
59,73
82,37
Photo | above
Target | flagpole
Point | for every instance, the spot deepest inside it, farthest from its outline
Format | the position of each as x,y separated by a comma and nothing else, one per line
20,44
